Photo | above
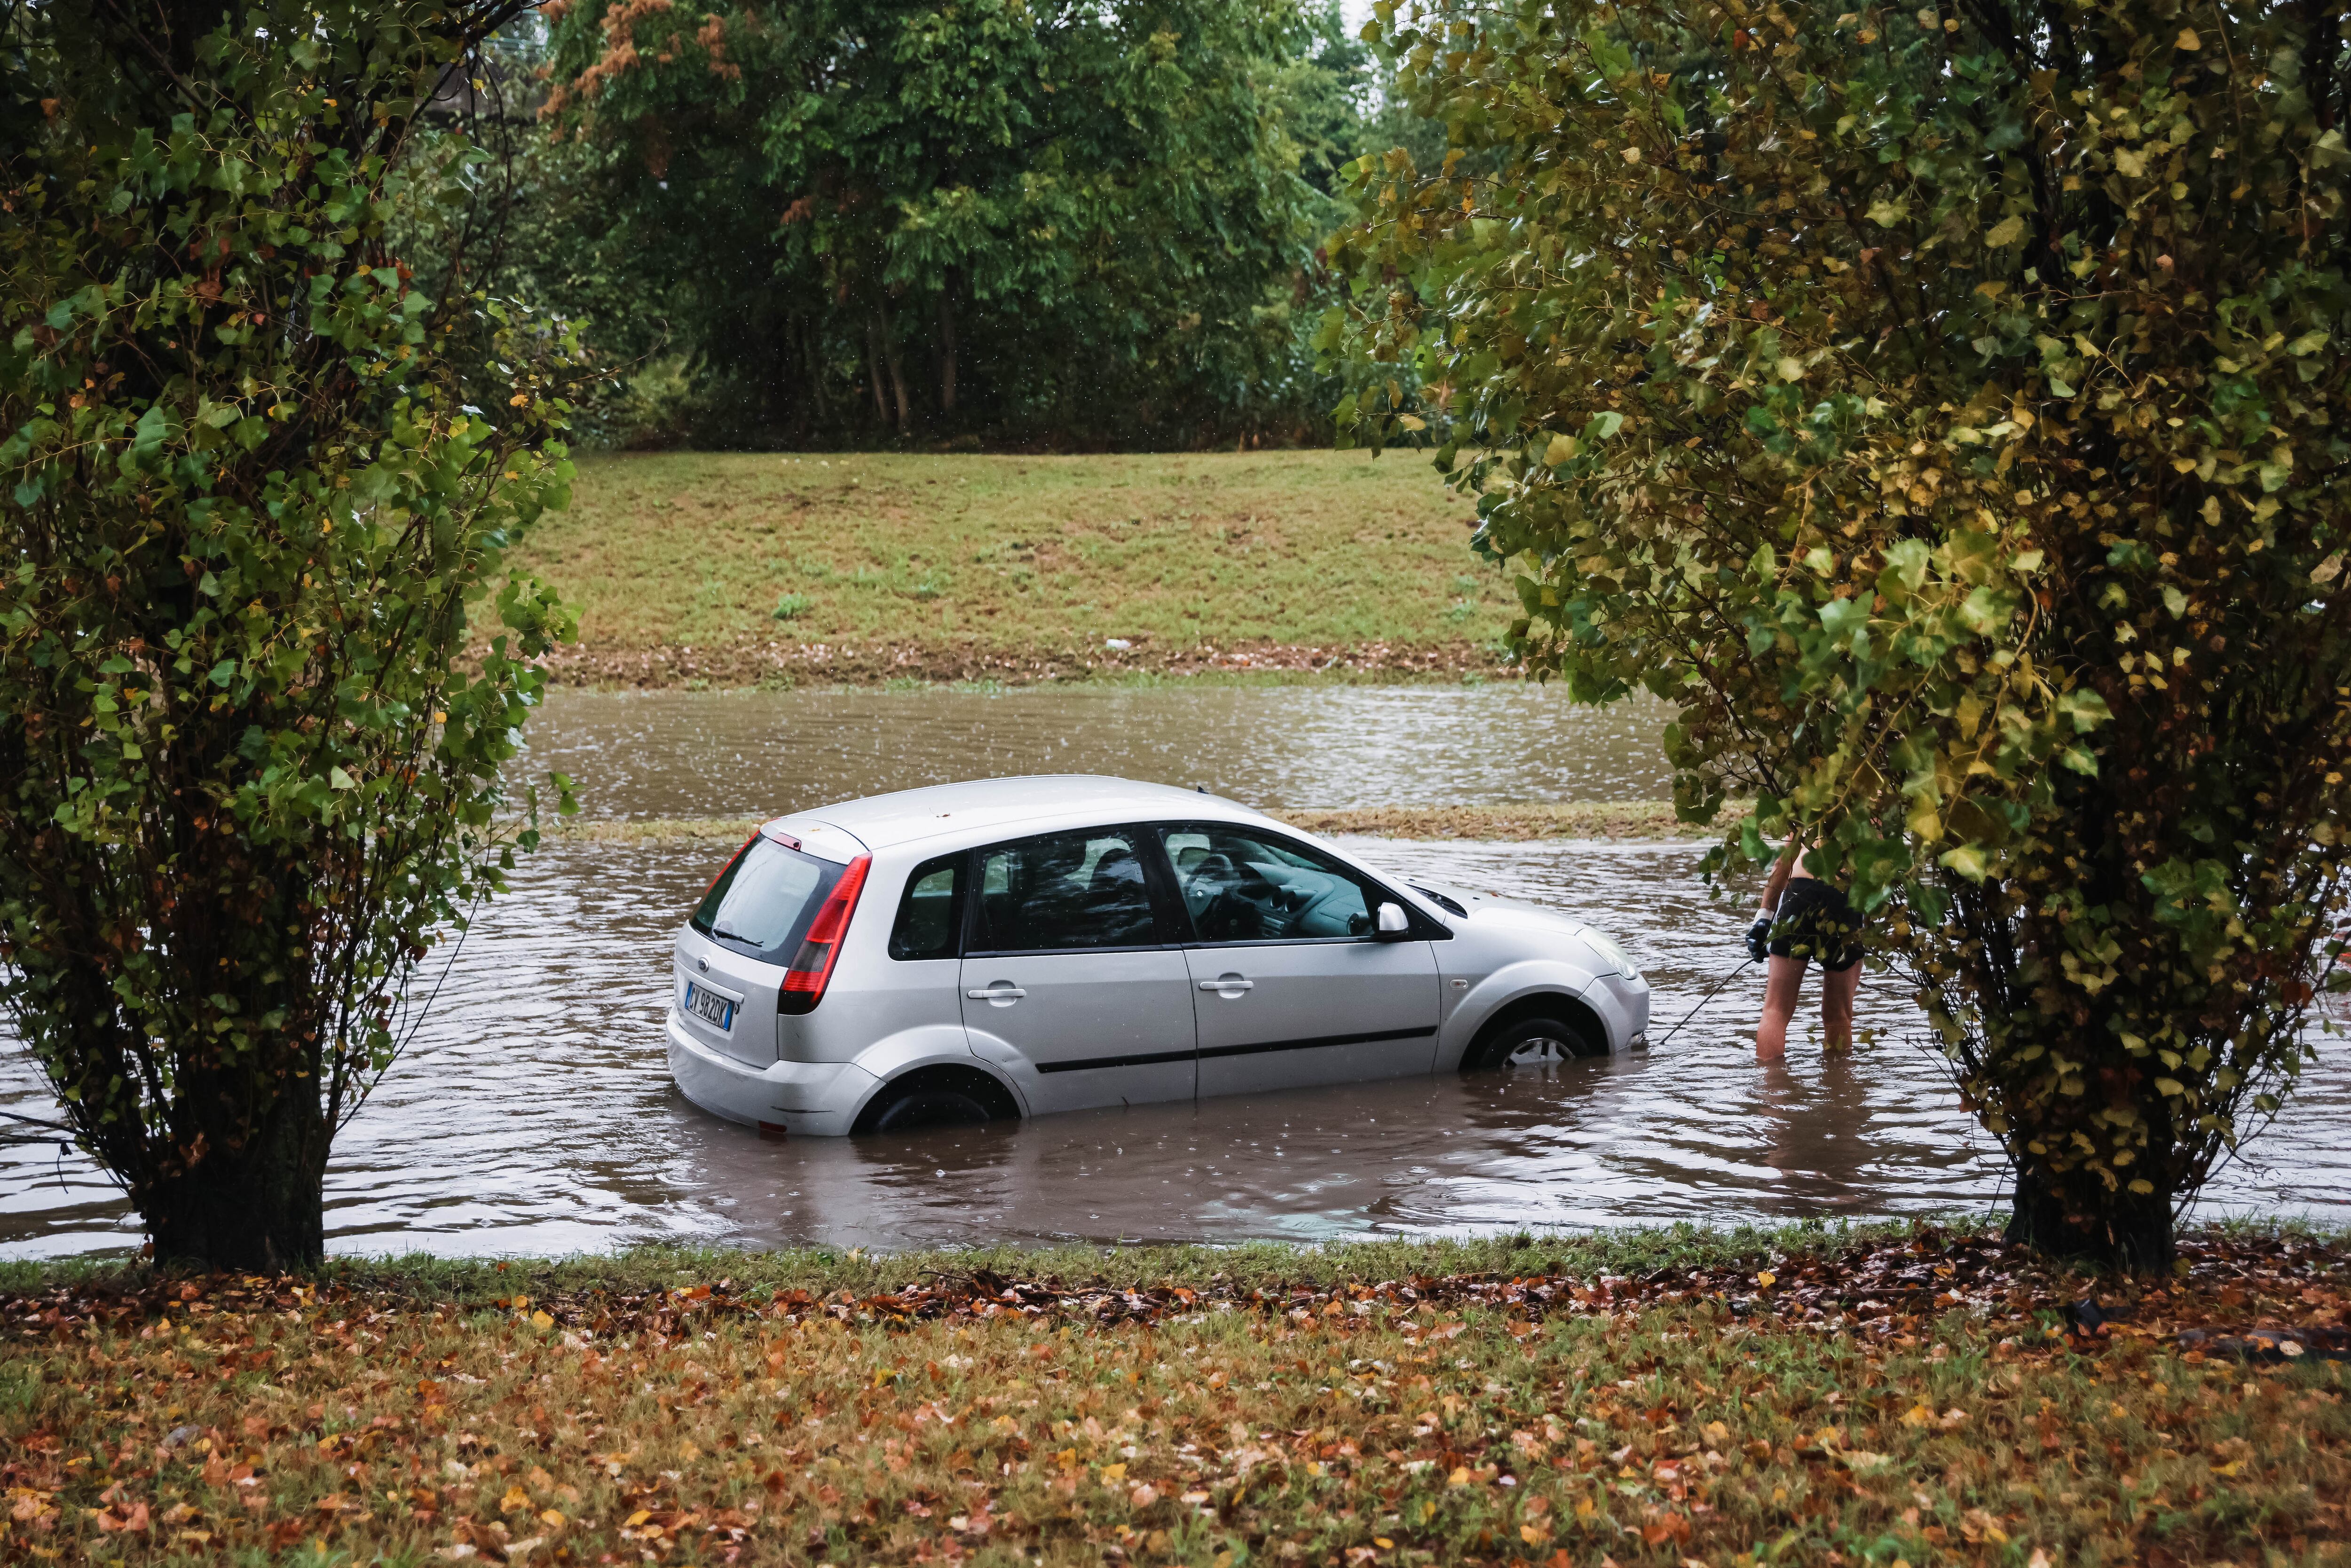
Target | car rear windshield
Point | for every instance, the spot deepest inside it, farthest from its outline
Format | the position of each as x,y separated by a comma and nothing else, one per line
763,903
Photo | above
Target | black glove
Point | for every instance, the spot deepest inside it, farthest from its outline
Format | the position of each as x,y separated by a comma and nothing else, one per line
1759,938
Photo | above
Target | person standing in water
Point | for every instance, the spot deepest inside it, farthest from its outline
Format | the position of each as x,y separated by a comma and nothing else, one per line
1804,919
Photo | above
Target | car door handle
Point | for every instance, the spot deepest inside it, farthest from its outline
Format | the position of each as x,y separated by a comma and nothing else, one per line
1228,985
997,994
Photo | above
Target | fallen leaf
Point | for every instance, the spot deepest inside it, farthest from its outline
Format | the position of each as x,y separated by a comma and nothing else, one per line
133,1519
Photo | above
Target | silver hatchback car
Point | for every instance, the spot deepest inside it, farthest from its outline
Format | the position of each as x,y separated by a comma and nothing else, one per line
1023,946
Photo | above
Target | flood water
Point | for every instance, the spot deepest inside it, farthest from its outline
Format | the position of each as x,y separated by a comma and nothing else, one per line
535,1115
739,754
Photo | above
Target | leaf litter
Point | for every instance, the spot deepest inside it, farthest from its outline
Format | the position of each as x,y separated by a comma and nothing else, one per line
1938,1397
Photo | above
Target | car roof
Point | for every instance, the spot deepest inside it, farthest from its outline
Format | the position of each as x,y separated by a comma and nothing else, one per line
998,808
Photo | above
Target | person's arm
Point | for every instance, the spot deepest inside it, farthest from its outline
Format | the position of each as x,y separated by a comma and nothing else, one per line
1758,935
1781,874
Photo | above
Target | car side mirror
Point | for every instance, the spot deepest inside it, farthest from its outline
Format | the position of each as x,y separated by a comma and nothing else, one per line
1392,923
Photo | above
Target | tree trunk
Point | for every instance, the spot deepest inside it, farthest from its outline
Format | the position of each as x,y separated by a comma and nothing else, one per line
260,1207
874,366
2135,1233
812,360
896,361
946,350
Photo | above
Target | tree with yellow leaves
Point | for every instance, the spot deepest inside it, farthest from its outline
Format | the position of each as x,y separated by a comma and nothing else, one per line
1945,410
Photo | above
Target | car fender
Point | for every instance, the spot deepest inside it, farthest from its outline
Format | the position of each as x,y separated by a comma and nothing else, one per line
1009,1063
929,1045
1513,982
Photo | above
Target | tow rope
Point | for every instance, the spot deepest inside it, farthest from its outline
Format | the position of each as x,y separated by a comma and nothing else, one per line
1706,999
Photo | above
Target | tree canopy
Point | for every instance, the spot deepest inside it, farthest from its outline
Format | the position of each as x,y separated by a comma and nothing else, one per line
997,216
1944,408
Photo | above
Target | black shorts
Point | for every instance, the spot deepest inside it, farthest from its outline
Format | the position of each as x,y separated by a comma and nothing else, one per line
1816,925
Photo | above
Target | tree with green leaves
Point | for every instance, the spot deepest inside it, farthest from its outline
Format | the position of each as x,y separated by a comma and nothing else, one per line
254,519
1010,216
1945,409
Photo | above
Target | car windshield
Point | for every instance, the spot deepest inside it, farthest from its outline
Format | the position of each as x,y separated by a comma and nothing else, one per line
1241,887
762,904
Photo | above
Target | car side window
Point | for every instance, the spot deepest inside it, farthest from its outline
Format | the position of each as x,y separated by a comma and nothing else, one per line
929,924
1240,885
1063,891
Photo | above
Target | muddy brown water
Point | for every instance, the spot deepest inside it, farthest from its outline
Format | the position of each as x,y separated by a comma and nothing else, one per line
737,754
535,1115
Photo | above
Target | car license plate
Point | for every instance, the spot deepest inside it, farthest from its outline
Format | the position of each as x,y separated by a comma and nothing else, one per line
709,1006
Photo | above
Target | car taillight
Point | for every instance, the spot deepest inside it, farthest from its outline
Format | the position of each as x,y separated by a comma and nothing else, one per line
804,982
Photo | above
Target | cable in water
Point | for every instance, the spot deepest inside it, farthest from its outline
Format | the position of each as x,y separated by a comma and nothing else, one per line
1708,997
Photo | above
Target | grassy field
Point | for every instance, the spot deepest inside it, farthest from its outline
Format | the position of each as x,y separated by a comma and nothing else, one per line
736,568
1660,1400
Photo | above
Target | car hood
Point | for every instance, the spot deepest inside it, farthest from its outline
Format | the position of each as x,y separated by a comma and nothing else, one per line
1487,909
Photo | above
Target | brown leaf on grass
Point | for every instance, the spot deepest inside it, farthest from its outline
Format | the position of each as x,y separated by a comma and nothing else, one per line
132,1517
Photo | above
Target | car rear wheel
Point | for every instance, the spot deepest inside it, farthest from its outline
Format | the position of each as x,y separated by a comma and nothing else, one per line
936,1097
1534,1041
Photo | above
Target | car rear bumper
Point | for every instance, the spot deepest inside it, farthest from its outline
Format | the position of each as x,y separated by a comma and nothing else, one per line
802,1099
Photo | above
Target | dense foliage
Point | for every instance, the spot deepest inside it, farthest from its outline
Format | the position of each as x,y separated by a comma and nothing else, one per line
250,526
863,219
1944,407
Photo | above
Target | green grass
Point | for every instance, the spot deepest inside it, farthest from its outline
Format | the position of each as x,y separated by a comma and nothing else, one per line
1653,1399
986,565
1631,1251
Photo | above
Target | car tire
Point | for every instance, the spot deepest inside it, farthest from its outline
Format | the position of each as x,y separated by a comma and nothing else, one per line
926,1107
936,1097
1534,1041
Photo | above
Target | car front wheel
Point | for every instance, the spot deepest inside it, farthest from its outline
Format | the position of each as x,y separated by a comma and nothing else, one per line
1532,1041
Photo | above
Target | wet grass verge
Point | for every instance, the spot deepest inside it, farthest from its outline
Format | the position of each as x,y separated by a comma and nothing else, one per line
1808,1395
736,569
1631,819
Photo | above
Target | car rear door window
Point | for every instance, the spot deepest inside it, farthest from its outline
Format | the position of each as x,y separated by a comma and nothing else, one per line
1240,885
1062,891
929,924
762,903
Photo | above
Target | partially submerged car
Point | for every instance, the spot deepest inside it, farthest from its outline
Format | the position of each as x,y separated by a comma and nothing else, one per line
1017,946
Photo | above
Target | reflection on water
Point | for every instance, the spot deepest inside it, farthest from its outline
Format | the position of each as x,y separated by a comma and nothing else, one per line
678,754
535,1114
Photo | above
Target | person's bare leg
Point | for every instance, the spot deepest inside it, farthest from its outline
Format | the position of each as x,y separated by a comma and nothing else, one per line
1837,990
1783,979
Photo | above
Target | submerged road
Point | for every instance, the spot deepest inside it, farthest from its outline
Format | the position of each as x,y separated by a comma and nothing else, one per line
535,1114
